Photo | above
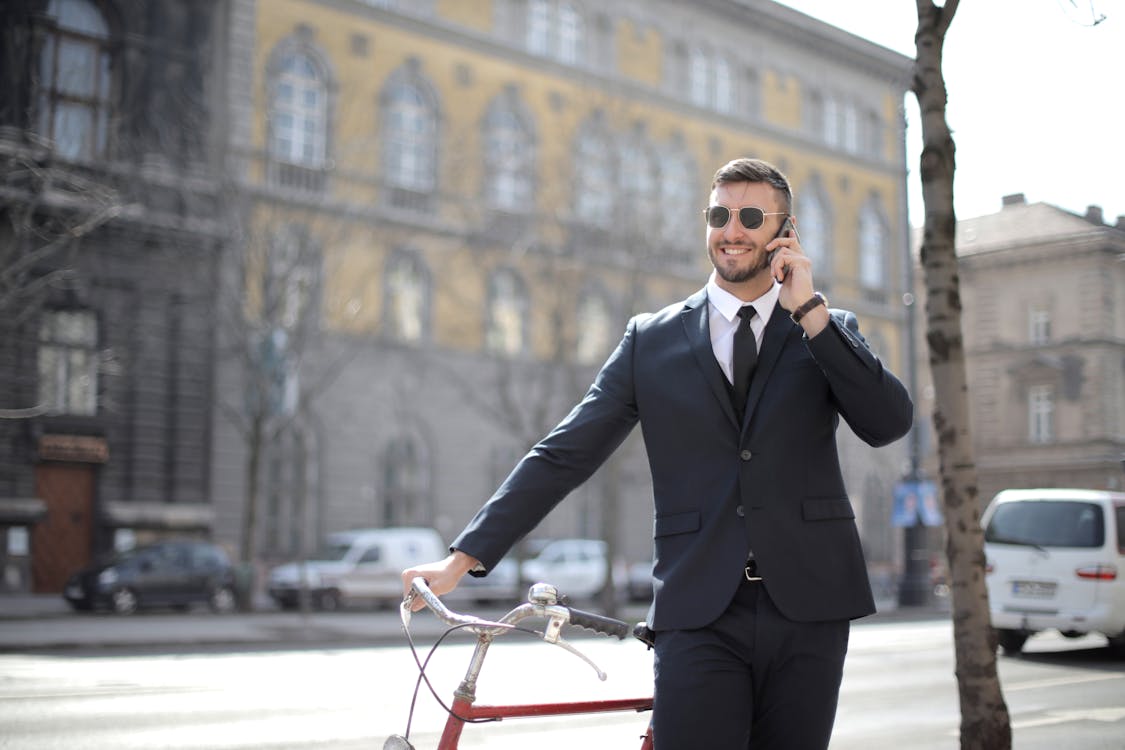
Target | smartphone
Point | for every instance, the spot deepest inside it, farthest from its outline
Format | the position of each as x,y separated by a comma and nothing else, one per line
786,230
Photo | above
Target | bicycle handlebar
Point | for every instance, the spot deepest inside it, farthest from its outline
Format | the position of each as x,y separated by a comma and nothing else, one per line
542,602
599,623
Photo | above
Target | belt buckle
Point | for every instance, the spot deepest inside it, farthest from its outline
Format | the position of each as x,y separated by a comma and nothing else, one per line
751,571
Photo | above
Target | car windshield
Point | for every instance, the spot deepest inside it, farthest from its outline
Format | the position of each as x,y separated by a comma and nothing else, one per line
1047,523
333,552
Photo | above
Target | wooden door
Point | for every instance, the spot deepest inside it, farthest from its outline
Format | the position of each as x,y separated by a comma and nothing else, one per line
61,542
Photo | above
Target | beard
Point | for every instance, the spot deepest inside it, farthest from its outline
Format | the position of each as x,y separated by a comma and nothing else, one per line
734,274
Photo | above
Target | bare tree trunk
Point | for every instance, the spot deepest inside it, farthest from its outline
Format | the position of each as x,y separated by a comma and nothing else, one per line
985,722
255,444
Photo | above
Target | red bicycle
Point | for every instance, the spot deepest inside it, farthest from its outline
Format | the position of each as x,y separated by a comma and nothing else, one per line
543,602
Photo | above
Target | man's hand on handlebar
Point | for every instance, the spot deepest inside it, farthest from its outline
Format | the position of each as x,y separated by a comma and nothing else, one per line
441,576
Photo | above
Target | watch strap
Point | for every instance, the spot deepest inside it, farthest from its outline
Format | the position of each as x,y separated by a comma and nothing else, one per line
815,301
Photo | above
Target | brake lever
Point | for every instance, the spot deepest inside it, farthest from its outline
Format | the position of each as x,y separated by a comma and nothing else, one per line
564,644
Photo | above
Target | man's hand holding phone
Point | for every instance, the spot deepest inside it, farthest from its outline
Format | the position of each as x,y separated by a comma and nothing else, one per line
790,267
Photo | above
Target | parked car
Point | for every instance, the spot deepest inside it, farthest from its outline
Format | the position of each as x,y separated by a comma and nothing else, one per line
577,567
175,574
638,582
502,585
359,566
1056,560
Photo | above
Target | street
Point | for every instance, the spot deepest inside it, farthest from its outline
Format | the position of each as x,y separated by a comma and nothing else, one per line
899,692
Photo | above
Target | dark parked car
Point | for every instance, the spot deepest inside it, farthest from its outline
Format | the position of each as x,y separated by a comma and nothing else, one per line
171,574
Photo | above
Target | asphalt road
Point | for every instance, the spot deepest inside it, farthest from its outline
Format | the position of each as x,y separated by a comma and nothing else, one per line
899,691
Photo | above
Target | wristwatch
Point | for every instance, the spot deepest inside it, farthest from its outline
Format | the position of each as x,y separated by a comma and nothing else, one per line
816,300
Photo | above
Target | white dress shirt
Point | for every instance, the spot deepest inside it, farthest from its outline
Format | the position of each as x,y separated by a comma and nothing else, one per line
722,318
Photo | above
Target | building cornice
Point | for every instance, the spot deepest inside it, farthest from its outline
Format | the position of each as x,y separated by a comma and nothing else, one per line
857,52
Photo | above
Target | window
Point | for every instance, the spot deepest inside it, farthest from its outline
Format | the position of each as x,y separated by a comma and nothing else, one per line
595,328
639,183
849,124
68,368
74,72
723,99
1047,523
710,81
555,29
678,197
814,227
872,248
830,125
700,79
593,177
1041,413
299,113
570,34
1039,326
509,154
507,313
406,483
408,297
291,280
410,142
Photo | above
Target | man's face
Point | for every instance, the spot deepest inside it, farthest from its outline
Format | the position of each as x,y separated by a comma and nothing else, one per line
738,253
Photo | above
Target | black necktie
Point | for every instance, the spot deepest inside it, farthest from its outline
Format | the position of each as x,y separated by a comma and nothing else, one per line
745,357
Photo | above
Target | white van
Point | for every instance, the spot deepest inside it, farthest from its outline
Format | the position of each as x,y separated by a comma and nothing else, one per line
1055,560
358,566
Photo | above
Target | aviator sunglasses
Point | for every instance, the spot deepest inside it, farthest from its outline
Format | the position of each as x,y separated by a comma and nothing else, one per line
751,217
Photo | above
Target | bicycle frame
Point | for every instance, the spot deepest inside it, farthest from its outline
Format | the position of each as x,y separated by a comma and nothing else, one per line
542,602
465,711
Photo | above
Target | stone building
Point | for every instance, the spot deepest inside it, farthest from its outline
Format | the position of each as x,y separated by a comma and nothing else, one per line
108,254
469,198
1043,291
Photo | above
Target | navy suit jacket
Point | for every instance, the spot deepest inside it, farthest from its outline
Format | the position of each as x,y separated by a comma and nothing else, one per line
770,483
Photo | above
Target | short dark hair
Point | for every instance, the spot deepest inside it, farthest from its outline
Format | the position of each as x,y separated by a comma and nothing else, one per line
755,170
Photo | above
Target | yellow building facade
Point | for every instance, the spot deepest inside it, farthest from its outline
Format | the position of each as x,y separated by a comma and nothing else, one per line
502,184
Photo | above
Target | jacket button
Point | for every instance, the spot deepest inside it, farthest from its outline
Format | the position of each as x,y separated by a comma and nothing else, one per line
740,511
745,455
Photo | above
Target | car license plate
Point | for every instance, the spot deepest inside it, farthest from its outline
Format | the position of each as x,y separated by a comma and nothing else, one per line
1034,589
73,591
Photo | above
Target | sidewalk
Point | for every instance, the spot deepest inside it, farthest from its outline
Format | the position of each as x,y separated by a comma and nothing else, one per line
30,622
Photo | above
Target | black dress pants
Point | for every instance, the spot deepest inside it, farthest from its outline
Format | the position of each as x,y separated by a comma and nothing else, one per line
751,680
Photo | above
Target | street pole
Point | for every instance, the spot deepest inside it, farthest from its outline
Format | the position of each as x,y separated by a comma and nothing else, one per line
914,588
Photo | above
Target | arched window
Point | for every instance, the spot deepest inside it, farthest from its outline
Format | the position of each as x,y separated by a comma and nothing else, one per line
595,328
507,314
408,297
679,197
640,184
298,114
593,183
815,228
405,481
509,154
410,137
872,248
74,72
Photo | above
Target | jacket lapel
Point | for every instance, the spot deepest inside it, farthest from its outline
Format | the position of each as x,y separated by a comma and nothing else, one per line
694,318
777,332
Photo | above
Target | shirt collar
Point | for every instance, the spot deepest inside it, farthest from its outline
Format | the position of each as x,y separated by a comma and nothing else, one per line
727,304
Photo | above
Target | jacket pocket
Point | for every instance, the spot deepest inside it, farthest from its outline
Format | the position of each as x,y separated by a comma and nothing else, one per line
826,508
676,523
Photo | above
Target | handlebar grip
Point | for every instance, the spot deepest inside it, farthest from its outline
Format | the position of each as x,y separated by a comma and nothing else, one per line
599,623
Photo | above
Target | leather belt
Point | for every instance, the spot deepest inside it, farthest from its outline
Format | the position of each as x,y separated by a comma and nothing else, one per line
751,570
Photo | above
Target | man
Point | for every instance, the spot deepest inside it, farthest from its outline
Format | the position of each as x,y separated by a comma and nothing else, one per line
758,567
